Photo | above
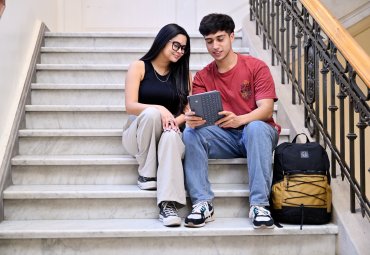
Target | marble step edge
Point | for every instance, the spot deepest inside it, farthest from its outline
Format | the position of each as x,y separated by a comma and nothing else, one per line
82,108
75,108
87,160
115,34
105,191
60,86
83,132
45,49
93,67
118,228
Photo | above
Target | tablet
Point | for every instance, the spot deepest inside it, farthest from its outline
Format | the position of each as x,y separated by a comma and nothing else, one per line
207,105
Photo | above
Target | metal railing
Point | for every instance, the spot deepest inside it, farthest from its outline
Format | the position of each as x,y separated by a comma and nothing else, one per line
330,75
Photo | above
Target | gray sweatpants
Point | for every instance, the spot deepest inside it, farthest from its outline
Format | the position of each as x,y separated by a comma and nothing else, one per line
158,153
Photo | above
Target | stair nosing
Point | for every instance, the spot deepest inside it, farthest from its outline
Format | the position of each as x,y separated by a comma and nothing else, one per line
93,67
49,49
63,86
113,228
115,35
36,192
66,160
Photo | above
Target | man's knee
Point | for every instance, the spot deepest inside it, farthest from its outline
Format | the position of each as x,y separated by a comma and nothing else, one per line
256,128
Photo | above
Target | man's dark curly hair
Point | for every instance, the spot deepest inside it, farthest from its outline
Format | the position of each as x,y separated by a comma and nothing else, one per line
214,22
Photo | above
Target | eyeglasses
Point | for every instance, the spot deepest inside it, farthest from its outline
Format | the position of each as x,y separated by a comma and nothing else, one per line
176,46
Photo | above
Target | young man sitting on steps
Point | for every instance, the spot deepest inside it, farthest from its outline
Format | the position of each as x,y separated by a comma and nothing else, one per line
246,130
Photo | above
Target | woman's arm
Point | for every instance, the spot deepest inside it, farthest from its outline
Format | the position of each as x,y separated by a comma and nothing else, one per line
181,118
135,75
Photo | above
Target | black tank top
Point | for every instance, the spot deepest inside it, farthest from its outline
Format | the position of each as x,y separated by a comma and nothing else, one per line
160,92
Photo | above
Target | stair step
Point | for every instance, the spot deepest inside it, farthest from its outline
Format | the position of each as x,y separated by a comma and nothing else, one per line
105,191
86,73
74,141
61,202
77,94
227,236
148,228
105,169
104,40
67,55
77,116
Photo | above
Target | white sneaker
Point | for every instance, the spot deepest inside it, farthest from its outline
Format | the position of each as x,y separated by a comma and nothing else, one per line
201,214
261,217
168,214
147,183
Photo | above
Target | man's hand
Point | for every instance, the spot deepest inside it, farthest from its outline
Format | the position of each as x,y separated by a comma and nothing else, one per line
192,120
229,121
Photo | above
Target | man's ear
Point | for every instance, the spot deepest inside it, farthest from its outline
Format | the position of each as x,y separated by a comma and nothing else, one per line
232,36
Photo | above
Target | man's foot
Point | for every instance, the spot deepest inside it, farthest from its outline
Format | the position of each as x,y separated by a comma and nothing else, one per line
261,217
147,183
202,212
168,214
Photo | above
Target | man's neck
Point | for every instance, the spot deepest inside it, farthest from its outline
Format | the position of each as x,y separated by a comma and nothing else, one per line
227,63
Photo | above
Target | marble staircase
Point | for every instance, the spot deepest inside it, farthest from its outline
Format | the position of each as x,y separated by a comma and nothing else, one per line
74,187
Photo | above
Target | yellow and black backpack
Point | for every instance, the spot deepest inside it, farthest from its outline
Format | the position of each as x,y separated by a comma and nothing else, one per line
301,192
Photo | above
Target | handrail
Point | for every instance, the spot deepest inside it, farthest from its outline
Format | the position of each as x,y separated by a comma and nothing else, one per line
336,108
345,43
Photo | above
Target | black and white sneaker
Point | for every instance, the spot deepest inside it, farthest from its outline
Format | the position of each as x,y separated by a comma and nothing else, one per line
261,217
168,214
202,212
147,183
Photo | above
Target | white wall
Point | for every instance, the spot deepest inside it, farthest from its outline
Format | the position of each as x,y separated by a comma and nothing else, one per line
18,32
143,15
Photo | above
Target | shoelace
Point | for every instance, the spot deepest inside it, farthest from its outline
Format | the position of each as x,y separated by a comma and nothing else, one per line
200,207
260,211
169,208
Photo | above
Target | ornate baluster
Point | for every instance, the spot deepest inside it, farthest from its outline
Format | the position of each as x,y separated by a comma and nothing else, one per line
333,108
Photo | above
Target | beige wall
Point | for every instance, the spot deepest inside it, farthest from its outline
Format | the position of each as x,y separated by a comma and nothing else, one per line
18,31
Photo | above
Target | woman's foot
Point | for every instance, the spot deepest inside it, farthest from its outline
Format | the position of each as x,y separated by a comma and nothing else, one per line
168,214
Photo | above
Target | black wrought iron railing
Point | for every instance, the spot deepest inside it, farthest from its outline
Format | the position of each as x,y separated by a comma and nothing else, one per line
330,75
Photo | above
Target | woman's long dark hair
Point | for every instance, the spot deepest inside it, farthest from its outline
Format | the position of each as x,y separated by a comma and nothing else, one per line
180,69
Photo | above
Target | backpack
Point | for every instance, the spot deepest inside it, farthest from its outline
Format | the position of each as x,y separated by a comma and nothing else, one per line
301,192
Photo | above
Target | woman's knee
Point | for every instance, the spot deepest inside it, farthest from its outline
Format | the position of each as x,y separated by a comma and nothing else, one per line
151,114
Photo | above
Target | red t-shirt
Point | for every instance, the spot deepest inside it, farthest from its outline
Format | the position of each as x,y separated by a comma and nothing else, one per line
248,81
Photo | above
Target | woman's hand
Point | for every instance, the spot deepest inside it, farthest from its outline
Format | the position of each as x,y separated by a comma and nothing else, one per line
168,120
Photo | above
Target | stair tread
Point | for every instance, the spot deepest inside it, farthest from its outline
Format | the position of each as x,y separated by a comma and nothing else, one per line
120,50
69,132
105,228
92,67
95,160
60,86
105,191
116,34
73,108
120,108
82,132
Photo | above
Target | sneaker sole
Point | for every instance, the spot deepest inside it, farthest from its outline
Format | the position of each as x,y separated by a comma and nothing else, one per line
192,225
152,185
263,226
170,222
